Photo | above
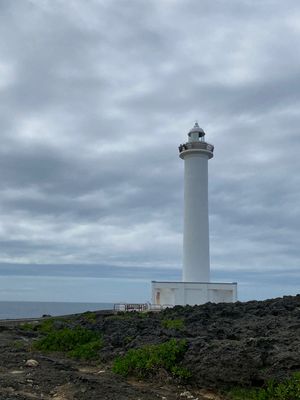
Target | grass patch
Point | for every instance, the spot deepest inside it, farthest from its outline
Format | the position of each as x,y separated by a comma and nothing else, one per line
177,324
79,342
147,360
289,389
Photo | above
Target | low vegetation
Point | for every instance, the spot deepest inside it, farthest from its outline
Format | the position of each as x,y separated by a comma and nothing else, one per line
147,360
46,326
90,316
18,344
286,390
128,339
128,315
28,326
78,342
177,324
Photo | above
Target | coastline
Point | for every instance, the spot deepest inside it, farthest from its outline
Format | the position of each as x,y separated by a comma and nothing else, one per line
36,309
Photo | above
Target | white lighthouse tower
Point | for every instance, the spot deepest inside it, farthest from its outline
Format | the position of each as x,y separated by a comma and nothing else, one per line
196,153
195,287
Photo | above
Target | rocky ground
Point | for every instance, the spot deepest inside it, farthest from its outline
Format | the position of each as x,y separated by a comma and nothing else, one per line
241,344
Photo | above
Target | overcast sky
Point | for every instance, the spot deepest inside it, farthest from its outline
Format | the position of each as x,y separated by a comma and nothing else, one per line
96,96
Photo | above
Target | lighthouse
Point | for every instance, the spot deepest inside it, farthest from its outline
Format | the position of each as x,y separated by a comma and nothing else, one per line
196,153
196,287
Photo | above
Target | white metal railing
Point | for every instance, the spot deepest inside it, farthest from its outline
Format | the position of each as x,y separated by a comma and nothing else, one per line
140,307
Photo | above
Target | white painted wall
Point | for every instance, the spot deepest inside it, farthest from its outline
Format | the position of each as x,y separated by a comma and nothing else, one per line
196,262
192,293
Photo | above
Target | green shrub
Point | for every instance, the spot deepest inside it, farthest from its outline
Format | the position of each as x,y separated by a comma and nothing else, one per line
78,342
121,315
177,324
87,351
27,326
46,326
90,316
246,394
289,389
146,360
181,372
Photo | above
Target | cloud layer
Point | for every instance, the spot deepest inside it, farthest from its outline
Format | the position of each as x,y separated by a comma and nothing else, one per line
97,95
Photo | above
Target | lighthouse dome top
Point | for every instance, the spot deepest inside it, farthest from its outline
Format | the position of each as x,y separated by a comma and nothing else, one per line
196,131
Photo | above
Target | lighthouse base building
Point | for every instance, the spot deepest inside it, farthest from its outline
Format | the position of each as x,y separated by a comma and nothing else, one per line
195,287
192,293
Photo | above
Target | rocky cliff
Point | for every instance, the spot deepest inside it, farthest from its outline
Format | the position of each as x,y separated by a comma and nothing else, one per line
225,345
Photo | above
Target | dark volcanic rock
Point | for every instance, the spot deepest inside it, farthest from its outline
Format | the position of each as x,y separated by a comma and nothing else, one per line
229,344
237,344
243,343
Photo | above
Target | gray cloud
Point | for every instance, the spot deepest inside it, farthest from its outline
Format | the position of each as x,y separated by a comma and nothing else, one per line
95,98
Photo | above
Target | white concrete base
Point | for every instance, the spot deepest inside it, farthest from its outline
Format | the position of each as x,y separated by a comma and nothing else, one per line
193,293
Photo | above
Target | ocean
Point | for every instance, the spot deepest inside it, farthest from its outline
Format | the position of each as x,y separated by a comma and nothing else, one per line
35,309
